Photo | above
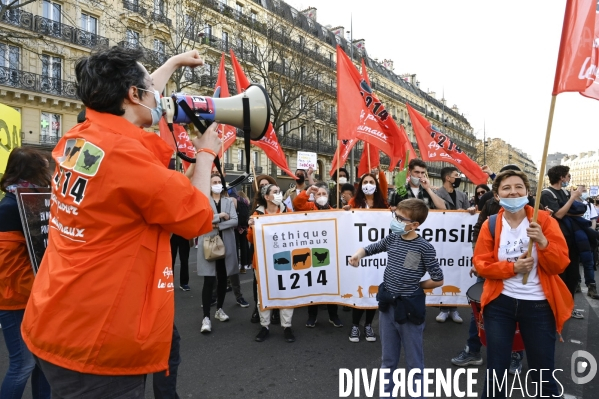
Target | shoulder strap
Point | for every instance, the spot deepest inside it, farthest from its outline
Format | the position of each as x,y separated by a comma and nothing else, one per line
492,223
550,191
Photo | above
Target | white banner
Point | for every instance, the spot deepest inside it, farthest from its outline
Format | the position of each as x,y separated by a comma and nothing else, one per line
302,257
306,160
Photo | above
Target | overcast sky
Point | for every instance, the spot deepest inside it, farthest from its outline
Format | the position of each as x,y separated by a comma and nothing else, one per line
494,59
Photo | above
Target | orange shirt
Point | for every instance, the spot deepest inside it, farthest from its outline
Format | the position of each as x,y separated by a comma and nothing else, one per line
250,234
16,274
102,301
301,202
552,261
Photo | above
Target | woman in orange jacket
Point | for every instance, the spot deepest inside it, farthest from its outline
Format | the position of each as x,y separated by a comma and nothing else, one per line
270,202
542,305
25,168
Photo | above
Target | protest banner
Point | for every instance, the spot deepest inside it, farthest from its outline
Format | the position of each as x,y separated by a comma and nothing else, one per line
303,257
306,160
34,207
10,133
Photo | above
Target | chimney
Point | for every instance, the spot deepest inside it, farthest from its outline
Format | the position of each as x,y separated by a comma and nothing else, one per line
432,94
338,31
360,45
388,64
455,108
310,13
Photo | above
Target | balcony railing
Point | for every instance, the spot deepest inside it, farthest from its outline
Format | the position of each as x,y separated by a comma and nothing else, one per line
154,58
134,6
258,169
229,166
37,83
327,88
240,167
160,17
58,30
201,80
308,145
49,139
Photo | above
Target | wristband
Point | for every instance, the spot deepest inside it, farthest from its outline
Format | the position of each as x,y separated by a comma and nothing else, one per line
209,151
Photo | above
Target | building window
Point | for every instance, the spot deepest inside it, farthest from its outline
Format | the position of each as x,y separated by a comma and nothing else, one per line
9,56
159,7
240,157
302,41
51,10
208,31
225,41
50,127
302,102
256,158
89,23
318,135
239,8
302,133
333,112
240,45
132,37
159,46
254,15
51,67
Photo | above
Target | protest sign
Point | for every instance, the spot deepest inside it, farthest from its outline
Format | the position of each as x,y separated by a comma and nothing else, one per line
303,257
594,191
10,133
306,160
34,207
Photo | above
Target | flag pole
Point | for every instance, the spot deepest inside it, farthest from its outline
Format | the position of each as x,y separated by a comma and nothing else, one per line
368,150
337,182
540,180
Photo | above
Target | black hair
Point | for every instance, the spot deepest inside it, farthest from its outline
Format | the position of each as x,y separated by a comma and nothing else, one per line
81,116
446,171
556,173
26,164
378,201
348,187
104,78
510,167
416,162
484,187
334,177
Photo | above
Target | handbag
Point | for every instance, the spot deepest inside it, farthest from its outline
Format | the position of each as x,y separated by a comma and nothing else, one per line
214,248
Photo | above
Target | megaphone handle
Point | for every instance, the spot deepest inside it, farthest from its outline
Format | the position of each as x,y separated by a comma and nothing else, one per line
247,130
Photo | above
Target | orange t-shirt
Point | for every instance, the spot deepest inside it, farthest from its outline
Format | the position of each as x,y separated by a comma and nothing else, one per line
16,274
102,301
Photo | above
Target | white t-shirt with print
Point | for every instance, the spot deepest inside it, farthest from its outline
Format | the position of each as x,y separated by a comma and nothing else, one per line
591,212
512,244
415,191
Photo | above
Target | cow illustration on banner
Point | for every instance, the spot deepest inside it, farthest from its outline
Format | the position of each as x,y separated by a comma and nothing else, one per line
303,257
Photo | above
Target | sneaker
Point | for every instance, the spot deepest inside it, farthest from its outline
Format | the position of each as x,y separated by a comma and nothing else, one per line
577,315
455,316
442,316
516,363
206,325
262,334
354,334
275,317
255,316
466,358
336,322
242,302
184,287
222,316
289,337
369,333
311,323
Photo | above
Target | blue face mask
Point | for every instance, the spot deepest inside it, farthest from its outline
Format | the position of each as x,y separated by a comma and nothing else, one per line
157,111
565,184
513,205
398,227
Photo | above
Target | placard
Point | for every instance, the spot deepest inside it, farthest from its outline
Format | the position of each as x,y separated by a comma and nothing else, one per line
594,192
306,160
34,207
303,257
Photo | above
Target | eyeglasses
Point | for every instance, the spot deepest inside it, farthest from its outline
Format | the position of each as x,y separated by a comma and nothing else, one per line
480,192
401,219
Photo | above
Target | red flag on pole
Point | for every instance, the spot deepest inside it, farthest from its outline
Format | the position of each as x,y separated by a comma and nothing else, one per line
577,63
436,146
375,159
269,143
344,151
221,90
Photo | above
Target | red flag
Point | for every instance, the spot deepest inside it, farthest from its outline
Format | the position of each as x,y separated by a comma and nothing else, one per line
344,151
185,144
402,142
591,72
269,143
577,61
221,90
375,159
436,146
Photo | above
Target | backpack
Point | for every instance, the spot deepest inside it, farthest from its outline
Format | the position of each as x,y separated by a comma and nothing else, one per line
492,223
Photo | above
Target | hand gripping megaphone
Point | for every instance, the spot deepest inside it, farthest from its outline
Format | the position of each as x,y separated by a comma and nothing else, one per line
249,111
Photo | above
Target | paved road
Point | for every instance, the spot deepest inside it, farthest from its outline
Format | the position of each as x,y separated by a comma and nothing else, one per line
229,364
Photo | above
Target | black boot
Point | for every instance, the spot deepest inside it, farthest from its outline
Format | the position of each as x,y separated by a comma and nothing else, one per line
592,292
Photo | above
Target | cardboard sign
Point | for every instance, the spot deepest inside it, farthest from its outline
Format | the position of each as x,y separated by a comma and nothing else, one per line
306,160
303,257
10,133
34,207
594,191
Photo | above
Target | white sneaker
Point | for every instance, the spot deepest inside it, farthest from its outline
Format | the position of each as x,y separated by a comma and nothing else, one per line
442,317
222,316
455,316
206,325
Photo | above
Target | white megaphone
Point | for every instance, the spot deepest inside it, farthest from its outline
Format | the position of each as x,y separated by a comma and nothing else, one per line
228,111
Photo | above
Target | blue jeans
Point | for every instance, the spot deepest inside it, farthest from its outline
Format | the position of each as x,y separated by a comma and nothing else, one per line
393,336
537,327
21,361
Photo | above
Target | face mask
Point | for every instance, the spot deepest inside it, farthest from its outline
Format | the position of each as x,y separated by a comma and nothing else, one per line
565,184
585,196
398,227
342,180
278,198
217,188
300,179
513,205
415,181
368,189
157,111
322,201
456,183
